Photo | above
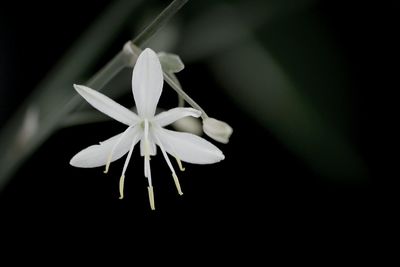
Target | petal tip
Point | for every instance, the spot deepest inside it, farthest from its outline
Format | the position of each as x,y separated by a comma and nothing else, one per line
73,162
80,88
149,52
220,156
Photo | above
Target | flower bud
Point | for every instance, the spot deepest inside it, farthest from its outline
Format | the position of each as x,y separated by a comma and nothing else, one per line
170,63
218,130
189,125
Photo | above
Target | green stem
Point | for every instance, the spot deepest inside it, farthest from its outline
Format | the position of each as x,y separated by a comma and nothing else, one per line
159,22
186,97
109,71
181,100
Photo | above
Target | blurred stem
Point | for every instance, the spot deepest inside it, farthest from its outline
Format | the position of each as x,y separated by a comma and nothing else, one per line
159,22
123,58
83,117
181,101
112,68
186,97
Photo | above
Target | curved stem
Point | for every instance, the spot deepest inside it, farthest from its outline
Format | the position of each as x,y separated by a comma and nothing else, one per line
181,101
185,96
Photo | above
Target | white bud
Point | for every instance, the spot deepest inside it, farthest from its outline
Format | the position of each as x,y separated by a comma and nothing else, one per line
170,63
188,124
218,130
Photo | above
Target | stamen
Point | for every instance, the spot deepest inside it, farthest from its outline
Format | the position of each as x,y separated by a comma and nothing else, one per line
178,186
127,160
134,141
121,186
150,187
108,164
114,147
181,168
151,197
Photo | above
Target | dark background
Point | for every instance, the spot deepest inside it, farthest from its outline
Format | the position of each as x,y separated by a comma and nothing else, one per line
260,191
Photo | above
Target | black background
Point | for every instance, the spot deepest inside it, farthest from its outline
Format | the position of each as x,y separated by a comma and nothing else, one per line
223,203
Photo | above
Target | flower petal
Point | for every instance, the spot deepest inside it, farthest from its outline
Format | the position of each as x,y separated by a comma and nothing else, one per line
97,155
107,105
147,83
167,117
188,147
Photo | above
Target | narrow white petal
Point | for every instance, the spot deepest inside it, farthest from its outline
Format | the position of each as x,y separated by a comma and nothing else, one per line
127,160
167,117
107,105
97,155
189,147
147,83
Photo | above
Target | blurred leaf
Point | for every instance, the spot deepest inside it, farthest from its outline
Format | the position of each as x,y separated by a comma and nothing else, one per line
263,90
225,36
222,25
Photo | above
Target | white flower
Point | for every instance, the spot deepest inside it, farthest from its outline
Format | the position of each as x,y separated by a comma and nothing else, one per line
146,127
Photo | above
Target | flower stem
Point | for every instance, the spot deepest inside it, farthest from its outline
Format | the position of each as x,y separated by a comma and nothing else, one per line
185,96
159,22
181,101
104,75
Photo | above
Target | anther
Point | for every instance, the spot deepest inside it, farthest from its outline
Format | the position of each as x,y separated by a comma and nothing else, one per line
181,168
178,186
151,197
121,186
